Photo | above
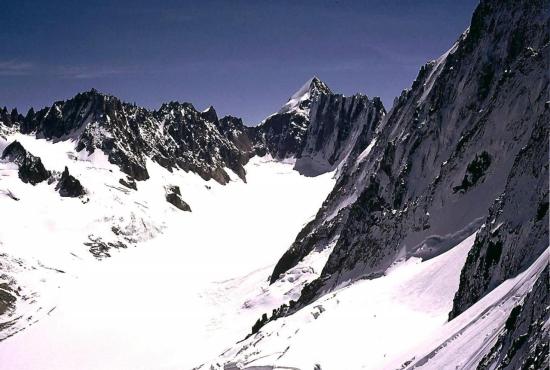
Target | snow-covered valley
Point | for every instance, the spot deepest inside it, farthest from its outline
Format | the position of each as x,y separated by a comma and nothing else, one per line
147,306
335,234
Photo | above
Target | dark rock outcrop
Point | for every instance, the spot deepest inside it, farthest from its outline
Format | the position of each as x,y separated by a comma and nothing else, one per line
8,297
9,121
15,152
31,169
173,196
100,249
69,186
129,182
474,172
284,134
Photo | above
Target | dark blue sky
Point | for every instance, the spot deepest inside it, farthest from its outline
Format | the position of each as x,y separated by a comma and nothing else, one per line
244,57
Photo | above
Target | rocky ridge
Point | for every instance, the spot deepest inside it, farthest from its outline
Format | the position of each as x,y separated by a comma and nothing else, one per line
179,136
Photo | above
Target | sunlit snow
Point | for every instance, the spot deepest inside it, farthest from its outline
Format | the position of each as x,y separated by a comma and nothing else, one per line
194,283
189,286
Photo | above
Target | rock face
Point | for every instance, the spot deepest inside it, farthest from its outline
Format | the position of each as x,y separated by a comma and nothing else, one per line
338,125
515,232
468,126
524,343
284,133
319,128
10,119
69,186
173,196
193,143
31,169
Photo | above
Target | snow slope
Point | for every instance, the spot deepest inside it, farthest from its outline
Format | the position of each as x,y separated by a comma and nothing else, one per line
397,321
462,342
191,284
363,325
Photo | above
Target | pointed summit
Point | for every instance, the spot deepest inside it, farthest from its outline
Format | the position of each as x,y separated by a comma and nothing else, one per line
93,93
210,114
316,86
300,101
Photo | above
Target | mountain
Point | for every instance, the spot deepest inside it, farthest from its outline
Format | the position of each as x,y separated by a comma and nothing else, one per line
178,136
427,245
339,124
443,153
320,128
106,153
464,151
300,101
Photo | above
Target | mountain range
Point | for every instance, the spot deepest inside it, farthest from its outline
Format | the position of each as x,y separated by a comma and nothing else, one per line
441,201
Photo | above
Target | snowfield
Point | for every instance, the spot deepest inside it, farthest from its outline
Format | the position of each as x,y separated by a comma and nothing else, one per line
188,286
175,299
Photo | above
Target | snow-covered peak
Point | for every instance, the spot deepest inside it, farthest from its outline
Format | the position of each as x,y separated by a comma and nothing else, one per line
301,99
317,87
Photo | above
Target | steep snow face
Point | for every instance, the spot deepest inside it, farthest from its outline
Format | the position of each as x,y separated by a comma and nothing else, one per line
178,287
523,342
466,341
364,325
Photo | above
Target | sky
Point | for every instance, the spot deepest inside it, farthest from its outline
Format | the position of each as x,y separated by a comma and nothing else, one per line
246,58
